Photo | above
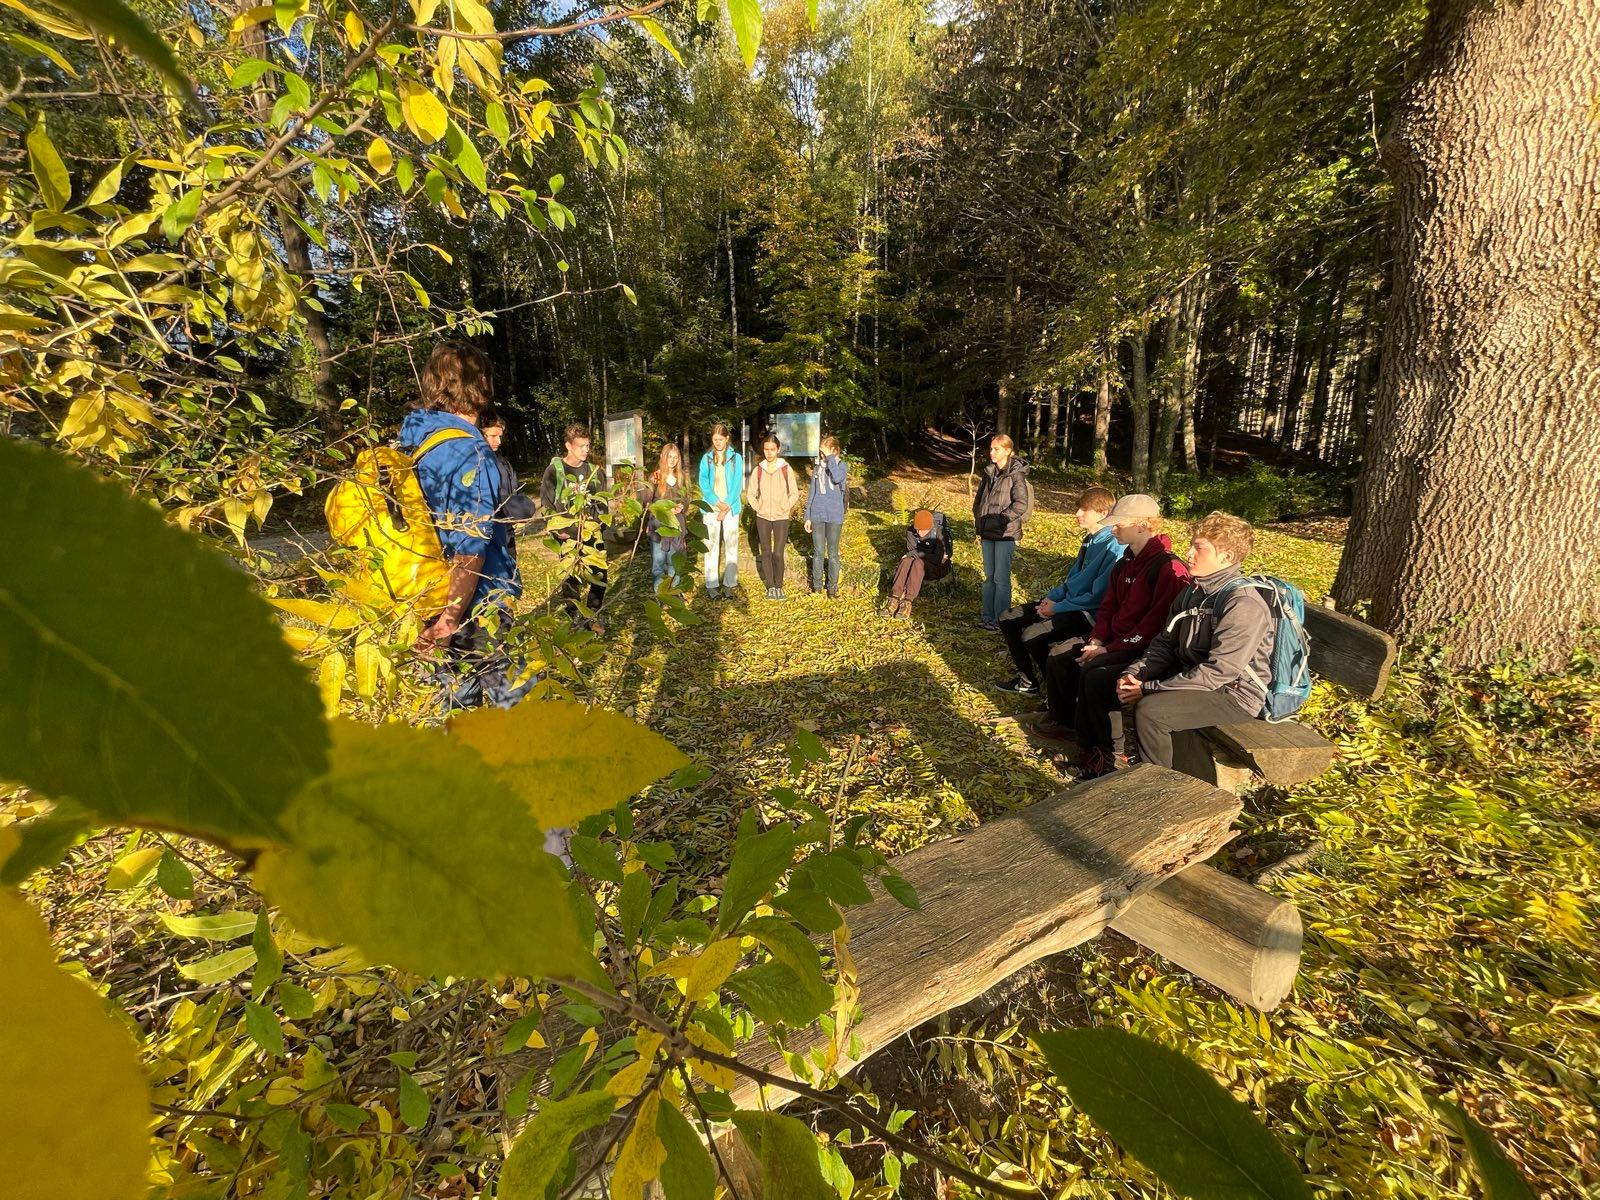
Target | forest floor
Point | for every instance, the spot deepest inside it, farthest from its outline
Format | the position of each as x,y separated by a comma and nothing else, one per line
1450,901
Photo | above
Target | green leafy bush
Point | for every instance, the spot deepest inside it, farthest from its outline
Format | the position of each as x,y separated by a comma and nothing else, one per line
1260,495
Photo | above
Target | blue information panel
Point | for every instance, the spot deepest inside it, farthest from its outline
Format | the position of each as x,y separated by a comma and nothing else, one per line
799,434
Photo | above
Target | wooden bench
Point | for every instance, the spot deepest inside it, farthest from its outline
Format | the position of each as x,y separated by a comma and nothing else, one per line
1344,651
1126,851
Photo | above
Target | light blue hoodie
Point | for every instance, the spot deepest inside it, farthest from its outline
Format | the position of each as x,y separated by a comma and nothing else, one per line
1090,573
732,475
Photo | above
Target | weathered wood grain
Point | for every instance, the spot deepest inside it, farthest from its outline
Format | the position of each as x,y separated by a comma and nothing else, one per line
1282,752
1234,936
1349,652
1014,890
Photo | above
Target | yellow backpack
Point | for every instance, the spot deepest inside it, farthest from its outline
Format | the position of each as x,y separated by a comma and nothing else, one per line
380,508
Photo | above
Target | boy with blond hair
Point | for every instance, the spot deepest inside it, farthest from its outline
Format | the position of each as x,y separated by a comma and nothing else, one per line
1212,664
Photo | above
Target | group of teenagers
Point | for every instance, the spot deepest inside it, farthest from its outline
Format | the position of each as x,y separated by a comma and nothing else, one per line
1131,631
1135,644
771,489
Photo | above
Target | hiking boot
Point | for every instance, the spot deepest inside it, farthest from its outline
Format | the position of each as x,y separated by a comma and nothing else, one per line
1019,685
985,623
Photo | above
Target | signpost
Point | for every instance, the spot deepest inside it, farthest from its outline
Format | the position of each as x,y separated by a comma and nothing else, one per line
624,441
799,434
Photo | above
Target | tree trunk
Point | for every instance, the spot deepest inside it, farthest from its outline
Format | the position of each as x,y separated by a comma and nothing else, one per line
1191,377
1054,436
1482,469
1002,415
1102,409
1139,397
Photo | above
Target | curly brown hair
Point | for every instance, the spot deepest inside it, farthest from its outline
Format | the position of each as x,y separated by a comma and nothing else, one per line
458,379
1230,534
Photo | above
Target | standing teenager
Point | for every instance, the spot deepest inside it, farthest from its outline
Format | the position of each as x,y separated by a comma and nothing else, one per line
998,511
566,490
772,492
515,505
1066,614
722,490
667,484
460,480
825,507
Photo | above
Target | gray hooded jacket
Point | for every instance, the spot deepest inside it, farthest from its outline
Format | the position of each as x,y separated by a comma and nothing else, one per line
1213,645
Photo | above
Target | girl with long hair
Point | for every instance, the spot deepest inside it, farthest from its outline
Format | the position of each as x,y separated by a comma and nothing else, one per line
722,492
772,491
667,483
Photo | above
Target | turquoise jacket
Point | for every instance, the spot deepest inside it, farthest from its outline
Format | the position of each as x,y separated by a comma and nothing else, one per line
1090,573
733,476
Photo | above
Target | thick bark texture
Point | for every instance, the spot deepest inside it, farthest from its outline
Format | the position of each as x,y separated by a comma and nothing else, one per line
1102,409
1481,480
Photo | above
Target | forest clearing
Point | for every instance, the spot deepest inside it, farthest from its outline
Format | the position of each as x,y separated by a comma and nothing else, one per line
811,600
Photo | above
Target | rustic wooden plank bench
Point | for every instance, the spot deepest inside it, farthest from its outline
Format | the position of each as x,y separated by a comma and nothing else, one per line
1344,651
1023,886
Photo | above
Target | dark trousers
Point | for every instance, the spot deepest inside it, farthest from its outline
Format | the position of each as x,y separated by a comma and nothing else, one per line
825,555
1158,715
587,581
913,572
771,538
1029,636
1085,696
470,672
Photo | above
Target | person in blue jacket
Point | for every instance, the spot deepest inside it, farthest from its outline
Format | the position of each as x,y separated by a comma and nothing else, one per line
722,491
825,506
1067,610
460,479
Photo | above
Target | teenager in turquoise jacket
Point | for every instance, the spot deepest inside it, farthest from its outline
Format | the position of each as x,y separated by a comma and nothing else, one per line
722,490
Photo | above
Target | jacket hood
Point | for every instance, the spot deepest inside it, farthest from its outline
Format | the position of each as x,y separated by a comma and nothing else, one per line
422,423
1159,544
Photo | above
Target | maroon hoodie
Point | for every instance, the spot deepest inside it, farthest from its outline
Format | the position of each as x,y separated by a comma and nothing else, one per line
1139,596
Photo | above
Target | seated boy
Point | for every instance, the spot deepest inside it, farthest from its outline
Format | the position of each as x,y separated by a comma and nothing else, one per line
1081,682
1212,664
1067,610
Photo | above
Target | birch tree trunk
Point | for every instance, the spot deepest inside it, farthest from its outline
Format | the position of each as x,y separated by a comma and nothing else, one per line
1481,479
1102,409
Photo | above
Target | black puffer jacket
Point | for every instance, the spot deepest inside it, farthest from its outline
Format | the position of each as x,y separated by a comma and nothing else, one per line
1001,501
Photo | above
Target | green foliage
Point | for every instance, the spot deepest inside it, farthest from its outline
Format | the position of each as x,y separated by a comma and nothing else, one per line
1171,1115
210,730
1260,495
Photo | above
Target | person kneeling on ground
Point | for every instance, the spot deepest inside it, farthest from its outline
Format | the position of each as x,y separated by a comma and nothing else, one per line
1067,611
927,557
1212,664
1081,682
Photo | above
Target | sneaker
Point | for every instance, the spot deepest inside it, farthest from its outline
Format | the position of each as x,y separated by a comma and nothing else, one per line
991,626
1048,727
1019,685
713,594
779,594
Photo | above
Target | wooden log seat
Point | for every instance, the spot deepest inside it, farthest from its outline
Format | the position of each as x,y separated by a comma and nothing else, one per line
1015,889
1344,651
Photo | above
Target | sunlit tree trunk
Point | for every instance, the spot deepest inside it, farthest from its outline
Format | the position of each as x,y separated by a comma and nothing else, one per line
1481,482
1102,408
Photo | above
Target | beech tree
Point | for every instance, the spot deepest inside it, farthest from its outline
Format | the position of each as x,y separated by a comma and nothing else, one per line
1481,481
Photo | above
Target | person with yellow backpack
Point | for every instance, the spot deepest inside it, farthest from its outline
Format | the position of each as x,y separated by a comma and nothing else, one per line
424,511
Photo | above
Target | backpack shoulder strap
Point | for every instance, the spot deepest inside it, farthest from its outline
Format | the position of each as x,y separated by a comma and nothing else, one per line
438,438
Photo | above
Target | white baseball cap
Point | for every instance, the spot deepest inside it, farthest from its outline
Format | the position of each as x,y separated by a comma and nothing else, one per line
1132,509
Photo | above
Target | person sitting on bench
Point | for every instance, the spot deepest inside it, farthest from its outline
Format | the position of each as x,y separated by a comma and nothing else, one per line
927,557
1212,663
1081,682
1067,610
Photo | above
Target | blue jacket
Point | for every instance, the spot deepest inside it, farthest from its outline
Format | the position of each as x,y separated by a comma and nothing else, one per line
733,477
1090,573
829,482
461,481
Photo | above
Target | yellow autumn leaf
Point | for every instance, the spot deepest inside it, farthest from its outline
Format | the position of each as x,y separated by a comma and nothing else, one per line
628,1082
567,761
642,1154
425,114
330,682
380,156
717,1075
354,31
366,662
711,966
71,1087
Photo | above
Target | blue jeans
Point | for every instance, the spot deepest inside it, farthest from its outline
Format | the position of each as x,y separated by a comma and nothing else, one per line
997,555
661,552
825,555
473,673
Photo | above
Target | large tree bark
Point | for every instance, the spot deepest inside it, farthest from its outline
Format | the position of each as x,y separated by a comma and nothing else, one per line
1482,469
1139,397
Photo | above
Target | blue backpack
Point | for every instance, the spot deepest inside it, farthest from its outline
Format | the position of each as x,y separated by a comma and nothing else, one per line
1290,684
